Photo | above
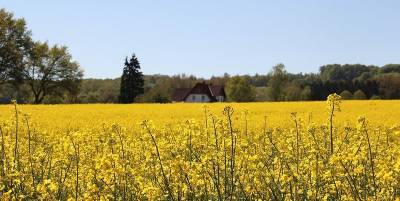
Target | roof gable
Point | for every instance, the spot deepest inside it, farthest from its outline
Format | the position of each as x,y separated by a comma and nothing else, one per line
201,88
217,90
212,91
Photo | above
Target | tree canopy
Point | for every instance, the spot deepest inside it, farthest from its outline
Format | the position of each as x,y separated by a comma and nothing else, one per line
51,69
15,46
239,89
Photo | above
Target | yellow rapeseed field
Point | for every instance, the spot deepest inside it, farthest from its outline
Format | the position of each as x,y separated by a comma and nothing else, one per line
332,150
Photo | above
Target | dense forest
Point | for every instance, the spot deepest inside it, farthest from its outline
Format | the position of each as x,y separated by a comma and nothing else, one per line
37,72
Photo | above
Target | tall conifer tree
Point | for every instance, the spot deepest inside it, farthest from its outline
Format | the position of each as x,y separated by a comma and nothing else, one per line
131,81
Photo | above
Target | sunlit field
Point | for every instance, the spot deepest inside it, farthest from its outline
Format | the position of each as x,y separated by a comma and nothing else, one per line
329,150
380,112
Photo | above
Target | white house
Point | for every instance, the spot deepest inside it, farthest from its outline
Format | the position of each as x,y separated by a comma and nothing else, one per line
200,93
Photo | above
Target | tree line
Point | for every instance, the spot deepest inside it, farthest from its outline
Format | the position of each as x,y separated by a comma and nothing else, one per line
351,81
276,85
37,72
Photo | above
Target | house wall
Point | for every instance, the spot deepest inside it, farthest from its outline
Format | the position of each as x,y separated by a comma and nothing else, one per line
220,98
198,98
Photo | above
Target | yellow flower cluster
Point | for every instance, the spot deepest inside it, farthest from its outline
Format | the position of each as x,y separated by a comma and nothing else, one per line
190,152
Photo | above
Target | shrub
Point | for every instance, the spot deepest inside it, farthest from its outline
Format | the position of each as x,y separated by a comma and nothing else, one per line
346,95
375,97
359,95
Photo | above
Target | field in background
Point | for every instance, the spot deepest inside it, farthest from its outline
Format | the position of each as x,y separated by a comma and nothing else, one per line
378,112
222,151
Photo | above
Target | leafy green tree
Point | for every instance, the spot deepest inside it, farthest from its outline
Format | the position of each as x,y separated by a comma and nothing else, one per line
15,45
161,98
306,93
51,70
239,89
389,85
132,81
346,95
359,95
292,92
261,94
158,93
277,82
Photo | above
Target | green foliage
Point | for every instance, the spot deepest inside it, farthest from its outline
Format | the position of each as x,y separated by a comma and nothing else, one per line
390,68
346,72
159,93
262,94
306,93
8,92
132,81
15,46
99,91
33,70
239,89
222,80
389,85
277,82
346,95
375,97
52,70
293,92
359,95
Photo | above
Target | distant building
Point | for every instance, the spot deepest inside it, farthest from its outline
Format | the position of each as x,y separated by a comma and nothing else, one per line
200,93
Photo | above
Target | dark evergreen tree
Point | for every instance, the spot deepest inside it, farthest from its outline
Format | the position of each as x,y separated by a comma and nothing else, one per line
132,81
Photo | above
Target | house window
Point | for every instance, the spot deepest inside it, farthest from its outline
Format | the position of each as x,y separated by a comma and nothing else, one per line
203,98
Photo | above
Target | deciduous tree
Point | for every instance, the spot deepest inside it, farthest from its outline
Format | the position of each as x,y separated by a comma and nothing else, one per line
239,89
51,69
277,82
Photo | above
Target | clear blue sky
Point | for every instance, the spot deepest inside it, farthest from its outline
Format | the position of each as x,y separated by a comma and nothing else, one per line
210,37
